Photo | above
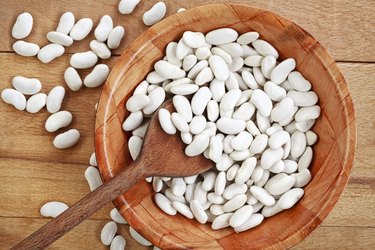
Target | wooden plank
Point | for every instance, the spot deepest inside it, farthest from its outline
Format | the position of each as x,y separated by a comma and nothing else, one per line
85,236
339,238
26,185
344,27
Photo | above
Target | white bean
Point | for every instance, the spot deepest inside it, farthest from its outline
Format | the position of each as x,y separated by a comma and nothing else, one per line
97,76
66,23
127,6
279,184
262,195
198,145
25,48
235,203
103,29
219,67
155,14
58,120
100,49
108,233
298,144
36,103
282,70
139,238
262,102
221,221
135,146
248,37
230,126
67,139
246,170
27,86
133,121
183,209
59,38
200,100
298,82
23,26
115,37
164,204
198,212
264,48
55,98
197,124
14,97
81,29
221,36
117,217
72,79
253,221
83,60
240,216
92,177
118,243
53,209
49,52
193,39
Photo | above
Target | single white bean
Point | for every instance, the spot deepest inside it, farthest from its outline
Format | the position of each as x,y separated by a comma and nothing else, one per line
221,36
55,98
97,76
264,48
222,221
27,86
127,6
92,177
198,212
59,38
240,216
100,49
298,82
279,184
282,70
133,121
25,48
135,146
72,79
67,139
139,238
118,243
58,120
53,209
164,204
262,195
235,203
66,23
36,103
83,60
115,37
117,217
108,233
219,67
23,26
198,145
14,97
103,29
49,52
183,209
253,221
81,29
155,14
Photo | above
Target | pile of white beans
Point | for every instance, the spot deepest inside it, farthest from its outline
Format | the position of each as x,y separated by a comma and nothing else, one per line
240,107
68,30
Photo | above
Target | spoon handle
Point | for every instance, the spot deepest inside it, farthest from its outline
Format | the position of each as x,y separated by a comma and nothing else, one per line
83,209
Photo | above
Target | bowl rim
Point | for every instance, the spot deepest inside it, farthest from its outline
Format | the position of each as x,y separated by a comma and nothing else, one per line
341,181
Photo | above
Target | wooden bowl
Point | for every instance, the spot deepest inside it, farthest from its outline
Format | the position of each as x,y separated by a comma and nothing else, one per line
333,154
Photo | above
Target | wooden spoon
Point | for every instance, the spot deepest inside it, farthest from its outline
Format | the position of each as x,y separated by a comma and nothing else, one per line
162,155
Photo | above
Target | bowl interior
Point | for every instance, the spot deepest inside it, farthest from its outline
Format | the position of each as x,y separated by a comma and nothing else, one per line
333,154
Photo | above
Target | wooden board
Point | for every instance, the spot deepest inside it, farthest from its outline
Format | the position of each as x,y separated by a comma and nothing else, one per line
34,172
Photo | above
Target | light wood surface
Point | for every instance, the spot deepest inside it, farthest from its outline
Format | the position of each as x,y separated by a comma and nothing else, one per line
33,172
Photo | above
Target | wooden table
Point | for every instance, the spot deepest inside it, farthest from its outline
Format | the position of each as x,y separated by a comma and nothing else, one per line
33,172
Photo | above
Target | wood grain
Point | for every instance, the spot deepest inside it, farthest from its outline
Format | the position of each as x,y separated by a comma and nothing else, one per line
343,27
